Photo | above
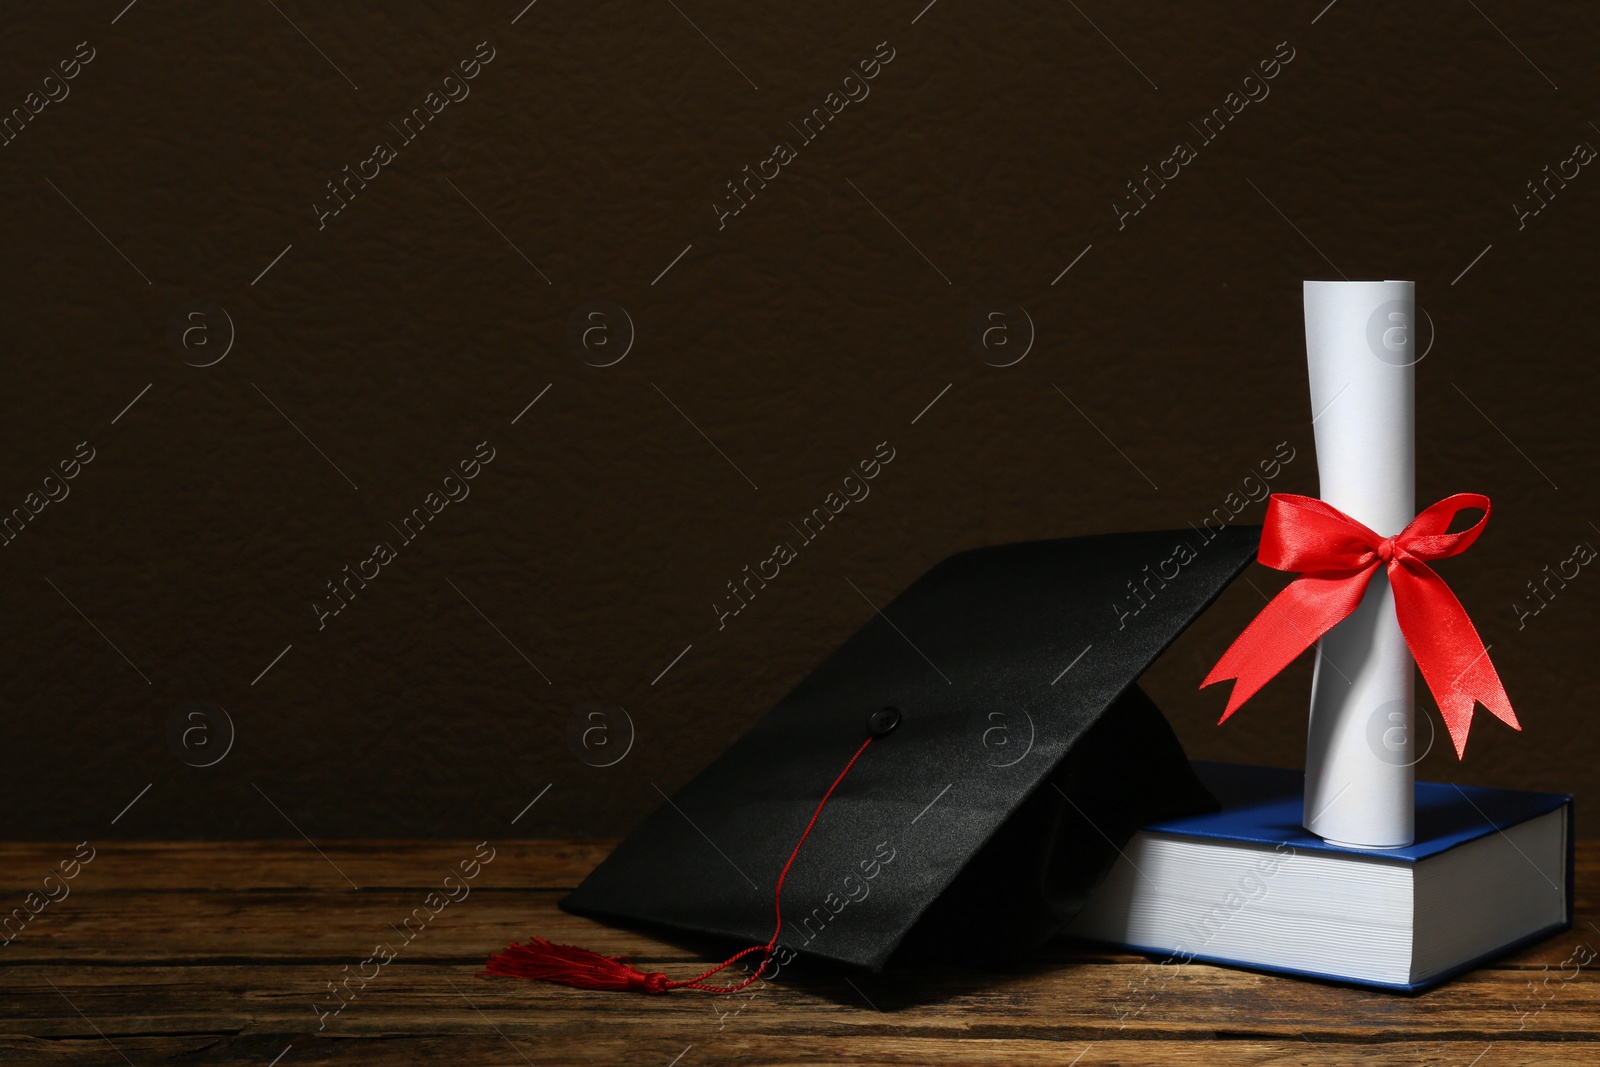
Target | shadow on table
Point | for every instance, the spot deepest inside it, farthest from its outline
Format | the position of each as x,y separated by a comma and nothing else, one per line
902,985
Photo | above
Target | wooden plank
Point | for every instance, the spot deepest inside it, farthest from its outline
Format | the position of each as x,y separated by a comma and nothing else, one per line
196,952
292,864
1087,1002
488,1050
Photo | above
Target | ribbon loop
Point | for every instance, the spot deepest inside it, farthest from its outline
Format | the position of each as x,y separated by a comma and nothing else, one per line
1426,536
1336,557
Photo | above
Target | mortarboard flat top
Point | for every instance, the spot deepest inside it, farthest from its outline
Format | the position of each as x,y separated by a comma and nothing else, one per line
1023,758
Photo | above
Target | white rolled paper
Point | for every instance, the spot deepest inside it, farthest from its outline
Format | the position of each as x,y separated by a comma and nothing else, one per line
1359,743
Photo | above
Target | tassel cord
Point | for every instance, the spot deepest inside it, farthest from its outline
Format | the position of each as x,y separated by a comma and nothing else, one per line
570,965
777,902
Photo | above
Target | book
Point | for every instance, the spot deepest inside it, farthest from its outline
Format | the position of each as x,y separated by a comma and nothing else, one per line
1248,886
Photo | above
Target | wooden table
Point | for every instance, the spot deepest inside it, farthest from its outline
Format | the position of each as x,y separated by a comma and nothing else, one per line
201,953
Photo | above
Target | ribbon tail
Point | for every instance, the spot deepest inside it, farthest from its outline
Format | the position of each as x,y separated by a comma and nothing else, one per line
1291,622
1448,651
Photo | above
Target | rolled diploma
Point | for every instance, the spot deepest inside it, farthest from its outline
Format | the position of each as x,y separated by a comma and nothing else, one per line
1359,742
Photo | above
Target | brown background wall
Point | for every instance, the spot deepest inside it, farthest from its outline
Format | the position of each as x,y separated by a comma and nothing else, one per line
797,338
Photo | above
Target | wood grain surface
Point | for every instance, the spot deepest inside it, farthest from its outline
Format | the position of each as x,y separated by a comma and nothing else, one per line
224,953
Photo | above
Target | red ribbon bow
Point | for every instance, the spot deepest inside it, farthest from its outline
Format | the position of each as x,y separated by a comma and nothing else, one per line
1336,557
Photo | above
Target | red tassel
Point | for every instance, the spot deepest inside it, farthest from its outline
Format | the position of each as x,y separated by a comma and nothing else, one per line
582,969
573,966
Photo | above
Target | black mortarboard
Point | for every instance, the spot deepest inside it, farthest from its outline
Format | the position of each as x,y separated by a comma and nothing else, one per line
1024,756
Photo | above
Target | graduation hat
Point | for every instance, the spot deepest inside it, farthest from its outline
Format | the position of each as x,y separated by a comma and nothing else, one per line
997,754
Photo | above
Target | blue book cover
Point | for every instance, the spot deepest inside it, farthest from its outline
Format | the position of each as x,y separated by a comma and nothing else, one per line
1263,805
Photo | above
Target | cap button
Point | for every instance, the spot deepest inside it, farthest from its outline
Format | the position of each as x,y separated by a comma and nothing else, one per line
883,721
